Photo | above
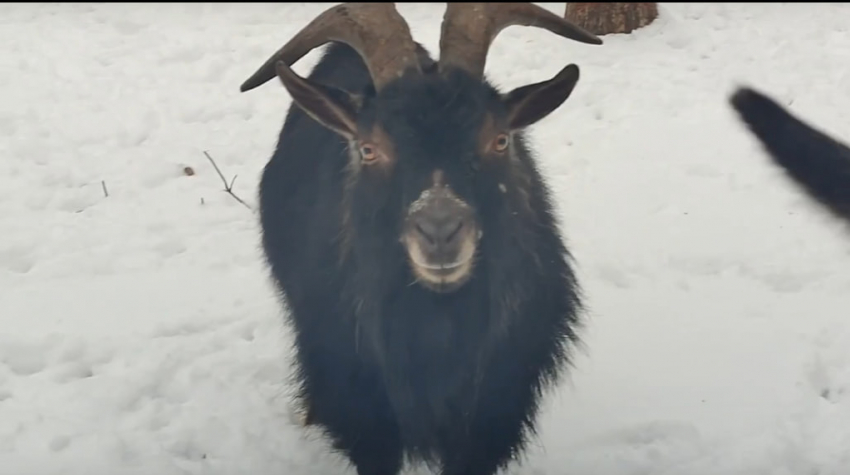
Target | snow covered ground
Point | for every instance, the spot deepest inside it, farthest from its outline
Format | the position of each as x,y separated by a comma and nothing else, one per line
139,333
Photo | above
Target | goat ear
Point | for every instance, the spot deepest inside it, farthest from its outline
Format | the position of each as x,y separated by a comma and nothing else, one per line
334,108
527,105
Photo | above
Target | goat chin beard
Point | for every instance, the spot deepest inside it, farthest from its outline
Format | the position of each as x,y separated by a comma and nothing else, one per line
441,278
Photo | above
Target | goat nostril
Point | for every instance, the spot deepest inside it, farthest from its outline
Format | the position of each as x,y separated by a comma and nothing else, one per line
454,231
424,234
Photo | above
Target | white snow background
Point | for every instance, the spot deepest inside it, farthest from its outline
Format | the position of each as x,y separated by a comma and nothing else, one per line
140,334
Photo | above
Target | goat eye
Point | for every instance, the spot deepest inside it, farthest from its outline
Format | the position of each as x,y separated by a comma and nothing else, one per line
501,143
368,152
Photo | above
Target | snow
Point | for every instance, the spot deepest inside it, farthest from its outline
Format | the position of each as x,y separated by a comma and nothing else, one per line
139,332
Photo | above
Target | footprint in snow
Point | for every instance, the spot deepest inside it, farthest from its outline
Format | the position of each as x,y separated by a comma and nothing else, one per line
23,359
18,258
648,434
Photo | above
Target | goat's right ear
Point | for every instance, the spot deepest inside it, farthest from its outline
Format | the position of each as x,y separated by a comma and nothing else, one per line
529,104
334,108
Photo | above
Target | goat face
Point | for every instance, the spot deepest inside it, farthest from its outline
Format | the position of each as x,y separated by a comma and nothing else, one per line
429,156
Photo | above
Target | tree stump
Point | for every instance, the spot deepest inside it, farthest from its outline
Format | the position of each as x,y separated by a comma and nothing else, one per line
607,18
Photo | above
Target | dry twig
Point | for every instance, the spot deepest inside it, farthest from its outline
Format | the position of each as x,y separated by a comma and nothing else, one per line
227,187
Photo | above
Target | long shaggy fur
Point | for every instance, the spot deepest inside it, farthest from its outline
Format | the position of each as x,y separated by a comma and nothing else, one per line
817,163
386,367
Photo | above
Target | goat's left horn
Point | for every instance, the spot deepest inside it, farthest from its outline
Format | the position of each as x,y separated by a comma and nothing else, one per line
469,28
375,30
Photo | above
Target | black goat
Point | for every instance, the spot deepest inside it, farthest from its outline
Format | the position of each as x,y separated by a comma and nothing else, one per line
413,239
816,162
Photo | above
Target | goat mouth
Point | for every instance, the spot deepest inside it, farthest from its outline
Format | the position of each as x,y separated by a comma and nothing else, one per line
442,278
441,268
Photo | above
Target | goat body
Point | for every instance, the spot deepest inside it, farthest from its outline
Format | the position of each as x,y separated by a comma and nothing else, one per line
413,239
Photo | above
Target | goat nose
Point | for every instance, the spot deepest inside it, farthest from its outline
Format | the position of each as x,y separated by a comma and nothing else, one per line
439,231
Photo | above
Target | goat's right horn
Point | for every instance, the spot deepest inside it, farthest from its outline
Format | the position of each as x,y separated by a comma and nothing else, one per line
375,30
469,28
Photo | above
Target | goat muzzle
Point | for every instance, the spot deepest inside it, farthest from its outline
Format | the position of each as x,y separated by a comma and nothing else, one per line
441,236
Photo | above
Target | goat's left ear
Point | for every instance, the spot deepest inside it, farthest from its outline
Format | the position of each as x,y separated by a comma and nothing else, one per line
332,107
527,105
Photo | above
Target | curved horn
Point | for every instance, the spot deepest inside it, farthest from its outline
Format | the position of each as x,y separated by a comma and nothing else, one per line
375,30
469,29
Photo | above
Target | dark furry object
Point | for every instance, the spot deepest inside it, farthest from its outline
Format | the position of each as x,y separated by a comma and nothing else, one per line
817,163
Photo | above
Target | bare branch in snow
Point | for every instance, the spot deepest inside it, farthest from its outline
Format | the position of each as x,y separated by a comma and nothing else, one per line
227,187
